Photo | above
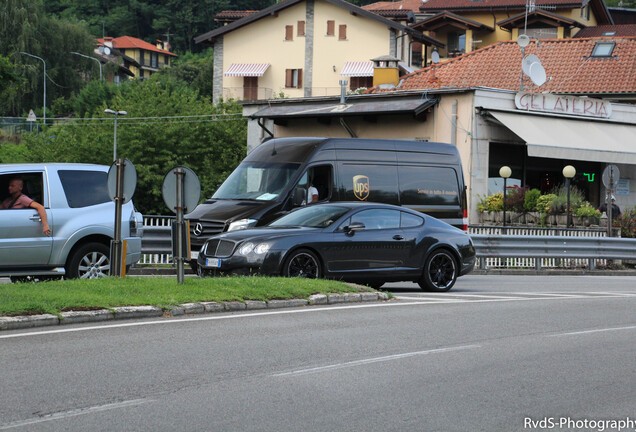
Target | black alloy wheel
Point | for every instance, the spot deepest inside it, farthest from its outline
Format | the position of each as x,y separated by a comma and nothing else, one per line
302,263
440,272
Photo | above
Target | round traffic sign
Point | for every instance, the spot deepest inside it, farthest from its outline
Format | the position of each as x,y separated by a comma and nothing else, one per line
611,171
191,189
129,178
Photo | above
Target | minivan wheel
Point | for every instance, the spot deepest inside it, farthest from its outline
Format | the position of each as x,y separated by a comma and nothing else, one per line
89,261
302,263
440,272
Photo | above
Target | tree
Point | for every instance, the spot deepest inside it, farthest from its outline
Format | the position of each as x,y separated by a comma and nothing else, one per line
152,138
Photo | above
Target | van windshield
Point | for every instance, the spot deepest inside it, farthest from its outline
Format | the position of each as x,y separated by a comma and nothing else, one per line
262,181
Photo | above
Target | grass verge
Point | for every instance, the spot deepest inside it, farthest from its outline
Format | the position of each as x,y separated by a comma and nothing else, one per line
54,297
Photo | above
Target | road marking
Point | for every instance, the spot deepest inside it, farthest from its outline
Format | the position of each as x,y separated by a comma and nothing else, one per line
372,360
593,331
326,308
73,413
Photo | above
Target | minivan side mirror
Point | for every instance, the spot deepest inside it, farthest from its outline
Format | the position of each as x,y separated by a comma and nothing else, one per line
299,197
353,227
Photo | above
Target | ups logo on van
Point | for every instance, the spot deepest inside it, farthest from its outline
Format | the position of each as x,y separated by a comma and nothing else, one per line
361,187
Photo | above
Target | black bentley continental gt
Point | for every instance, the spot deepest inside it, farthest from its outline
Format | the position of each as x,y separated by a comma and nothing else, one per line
357,242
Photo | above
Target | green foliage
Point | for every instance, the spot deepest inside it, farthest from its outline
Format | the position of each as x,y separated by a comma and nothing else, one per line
491,203
212,147
559,204
530,200
13,153
195,70
586,209
544,202
515,199
95,95
627,222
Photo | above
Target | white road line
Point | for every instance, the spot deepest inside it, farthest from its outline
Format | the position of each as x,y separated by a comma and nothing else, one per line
371,360
592,331
283,312
73,413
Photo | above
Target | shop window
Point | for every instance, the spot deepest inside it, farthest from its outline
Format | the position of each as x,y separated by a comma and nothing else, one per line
293,78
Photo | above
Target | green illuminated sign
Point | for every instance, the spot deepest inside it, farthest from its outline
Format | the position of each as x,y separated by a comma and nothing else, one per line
590,176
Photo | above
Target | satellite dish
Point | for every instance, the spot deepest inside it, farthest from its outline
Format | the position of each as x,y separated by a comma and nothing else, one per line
523,40
527,61
537,74
435,57
106,50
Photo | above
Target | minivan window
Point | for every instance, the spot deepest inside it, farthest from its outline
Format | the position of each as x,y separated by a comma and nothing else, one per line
262,181
84,188
428,185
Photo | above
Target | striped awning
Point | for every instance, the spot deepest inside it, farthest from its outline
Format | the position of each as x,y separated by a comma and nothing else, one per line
246,69
357,69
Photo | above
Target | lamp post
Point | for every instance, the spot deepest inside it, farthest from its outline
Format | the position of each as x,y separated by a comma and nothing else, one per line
568,172
504,172
44,63
92,58
117,113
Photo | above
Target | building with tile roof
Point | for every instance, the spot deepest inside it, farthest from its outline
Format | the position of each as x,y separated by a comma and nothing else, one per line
305,47
584,115
146,57
619,30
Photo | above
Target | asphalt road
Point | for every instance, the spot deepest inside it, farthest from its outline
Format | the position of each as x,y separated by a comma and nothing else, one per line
496,353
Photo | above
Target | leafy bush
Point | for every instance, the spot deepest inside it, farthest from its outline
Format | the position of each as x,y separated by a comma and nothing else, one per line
628,222
530,200
491,203
515,199
544,202
586,209
560,203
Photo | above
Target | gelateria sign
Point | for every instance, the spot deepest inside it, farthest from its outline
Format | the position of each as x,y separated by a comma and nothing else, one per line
561,104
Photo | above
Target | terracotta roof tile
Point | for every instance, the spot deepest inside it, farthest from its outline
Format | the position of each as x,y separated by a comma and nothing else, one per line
598,31
475,4
567,62
129,42
233,15
413,5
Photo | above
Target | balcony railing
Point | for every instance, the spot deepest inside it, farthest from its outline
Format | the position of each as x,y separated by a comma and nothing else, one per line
247,93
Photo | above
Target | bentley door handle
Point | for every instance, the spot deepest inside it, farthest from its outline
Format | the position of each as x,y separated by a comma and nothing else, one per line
398,237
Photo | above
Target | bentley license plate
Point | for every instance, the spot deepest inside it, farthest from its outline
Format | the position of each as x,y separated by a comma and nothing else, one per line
212,262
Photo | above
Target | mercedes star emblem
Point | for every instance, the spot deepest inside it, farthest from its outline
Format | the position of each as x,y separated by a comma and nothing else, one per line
198,229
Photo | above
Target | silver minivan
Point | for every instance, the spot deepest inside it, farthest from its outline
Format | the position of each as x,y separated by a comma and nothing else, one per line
80,215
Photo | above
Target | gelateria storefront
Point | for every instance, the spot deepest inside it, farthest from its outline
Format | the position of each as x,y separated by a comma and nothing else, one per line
537,135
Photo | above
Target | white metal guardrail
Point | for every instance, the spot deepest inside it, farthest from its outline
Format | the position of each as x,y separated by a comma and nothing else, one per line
496,246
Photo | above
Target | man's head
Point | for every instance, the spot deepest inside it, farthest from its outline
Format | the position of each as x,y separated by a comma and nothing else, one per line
613,198
15,186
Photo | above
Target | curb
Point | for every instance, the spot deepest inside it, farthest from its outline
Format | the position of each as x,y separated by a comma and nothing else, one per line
135,312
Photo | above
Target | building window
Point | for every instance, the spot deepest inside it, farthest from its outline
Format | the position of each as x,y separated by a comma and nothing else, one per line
331,28
456,44
141,58
154,60
603,49
293,78
289,32
361,82
301,28
543,33
342,32
585,12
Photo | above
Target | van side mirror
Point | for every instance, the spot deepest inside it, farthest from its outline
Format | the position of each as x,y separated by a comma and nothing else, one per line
299,197
353,227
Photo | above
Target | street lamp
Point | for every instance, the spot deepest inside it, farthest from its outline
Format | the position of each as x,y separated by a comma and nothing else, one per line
504,172
568,172
43,62
117,113
92,58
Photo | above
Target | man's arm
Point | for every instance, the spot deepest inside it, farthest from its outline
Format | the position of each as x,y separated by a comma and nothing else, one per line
40,209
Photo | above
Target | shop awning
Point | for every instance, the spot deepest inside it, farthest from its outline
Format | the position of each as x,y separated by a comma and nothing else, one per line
566,138
246,69
357,69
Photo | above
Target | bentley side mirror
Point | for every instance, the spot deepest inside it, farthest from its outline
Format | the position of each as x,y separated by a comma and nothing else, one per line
355,226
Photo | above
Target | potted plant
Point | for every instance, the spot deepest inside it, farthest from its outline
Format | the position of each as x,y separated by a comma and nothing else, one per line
587,214
490,207
544,203
530,206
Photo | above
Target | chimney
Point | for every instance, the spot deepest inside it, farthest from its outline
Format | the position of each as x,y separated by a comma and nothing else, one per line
385,72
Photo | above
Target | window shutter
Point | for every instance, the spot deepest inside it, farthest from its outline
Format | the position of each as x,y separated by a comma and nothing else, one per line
289,32
331,27
342,32
288,77
300,78
301,28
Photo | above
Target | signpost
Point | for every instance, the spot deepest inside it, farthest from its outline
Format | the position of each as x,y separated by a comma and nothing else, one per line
122,181
31,118
611,177
181,192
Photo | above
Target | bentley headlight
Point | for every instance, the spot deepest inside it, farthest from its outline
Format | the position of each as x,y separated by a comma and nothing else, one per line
246,249
241,224
261,248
